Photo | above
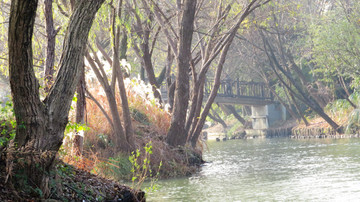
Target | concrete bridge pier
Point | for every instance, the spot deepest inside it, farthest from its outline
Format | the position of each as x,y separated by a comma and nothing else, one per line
265,116
259,117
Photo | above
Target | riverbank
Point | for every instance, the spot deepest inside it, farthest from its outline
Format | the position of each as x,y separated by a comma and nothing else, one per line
100,156
98,173
236,131
317,128
68,183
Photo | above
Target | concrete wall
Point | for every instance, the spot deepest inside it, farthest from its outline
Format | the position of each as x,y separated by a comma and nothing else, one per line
259,117
266,116
276,112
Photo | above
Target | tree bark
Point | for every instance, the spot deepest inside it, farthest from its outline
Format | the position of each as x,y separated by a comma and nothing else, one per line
50,49
236,115
117,50
217,118
80,113
41,125
169,83
177,134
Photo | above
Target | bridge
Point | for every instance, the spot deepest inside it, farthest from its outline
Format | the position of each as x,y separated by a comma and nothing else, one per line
241,93
265,111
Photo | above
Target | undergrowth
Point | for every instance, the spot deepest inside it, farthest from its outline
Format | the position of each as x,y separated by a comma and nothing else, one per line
152,159
342,113
7,123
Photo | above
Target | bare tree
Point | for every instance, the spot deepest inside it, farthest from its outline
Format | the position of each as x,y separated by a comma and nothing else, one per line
212,44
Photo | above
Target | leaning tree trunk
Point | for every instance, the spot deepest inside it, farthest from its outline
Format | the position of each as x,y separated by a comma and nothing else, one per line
236,115
308,100
177,133
217,118
41,125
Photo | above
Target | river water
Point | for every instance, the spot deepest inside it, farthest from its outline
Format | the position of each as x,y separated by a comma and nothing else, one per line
271,170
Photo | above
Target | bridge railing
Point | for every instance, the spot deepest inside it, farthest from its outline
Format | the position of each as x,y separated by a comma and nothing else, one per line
240,89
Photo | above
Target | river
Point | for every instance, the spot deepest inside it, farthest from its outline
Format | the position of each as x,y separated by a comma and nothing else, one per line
276,169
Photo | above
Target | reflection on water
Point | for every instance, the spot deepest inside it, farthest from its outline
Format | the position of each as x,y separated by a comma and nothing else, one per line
271,170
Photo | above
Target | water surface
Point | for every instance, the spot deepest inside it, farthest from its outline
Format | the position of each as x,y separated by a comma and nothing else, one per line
271,170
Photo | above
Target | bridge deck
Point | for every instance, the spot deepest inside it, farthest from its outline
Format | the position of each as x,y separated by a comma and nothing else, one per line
239,92
243,101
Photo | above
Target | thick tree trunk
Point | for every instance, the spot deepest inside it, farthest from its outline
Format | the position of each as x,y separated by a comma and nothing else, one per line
41,125
177,133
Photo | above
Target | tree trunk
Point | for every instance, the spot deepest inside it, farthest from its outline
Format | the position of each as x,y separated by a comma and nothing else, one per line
41,125
342,83
149,67
274,64
193,115
224,48
80,113
171,95
195,135
224,109
129,133
217,118
236,115
288,108
177,133
297,107
50,49
169,83
118,130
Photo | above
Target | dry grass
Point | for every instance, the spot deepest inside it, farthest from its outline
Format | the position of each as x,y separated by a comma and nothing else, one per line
99,150
340,116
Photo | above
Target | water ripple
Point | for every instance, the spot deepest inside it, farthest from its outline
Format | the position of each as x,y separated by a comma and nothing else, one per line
271,170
